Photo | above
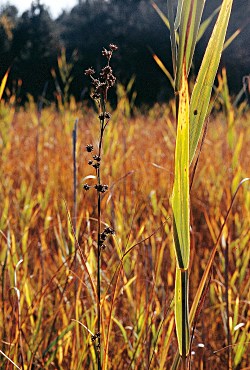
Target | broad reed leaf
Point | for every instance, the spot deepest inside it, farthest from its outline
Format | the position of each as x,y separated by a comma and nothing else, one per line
204,83
180,196
181,311
191,14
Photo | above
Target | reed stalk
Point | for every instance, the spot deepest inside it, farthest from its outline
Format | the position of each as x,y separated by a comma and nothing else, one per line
102,84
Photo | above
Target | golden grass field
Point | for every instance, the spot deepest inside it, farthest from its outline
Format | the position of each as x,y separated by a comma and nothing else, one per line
48,300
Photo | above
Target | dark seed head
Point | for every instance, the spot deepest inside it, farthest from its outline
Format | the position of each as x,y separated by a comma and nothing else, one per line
109,230
101,188
107,115
107,70
89,71
103,237
96,96
107,53
89,148
95,336
86,187
113,47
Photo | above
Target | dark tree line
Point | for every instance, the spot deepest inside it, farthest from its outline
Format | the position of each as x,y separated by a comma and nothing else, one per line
31,43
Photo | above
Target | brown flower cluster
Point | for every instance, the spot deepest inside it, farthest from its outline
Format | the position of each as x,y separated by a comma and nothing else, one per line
106,78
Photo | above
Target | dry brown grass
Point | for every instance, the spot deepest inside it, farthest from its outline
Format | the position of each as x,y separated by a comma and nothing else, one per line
36,190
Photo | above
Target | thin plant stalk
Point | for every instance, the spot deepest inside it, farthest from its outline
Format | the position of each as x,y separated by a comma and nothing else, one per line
102,85
99,244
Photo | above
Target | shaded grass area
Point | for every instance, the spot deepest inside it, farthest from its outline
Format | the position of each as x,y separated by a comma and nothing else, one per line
43,295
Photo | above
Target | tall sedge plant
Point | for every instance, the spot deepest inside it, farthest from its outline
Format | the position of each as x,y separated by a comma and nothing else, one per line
191,114
101,85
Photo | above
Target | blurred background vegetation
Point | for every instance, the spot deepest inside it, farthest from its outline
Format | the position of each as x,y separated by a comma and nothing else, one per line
31,42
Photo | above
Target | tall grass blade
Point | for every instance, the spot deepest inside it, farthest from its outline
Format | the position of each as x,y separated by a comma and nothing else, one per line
204,83
181,217
164,69
3,83
180,196
161,14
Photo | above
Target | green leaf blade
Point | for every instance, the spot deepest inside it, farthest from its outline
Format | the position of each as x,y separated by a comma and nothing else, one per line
180,196
204,83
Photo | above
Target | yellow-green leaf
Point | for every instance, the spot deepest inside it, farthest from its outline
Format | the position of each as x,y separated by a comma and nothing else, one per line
164,69
3,83
204,83
161,14
180,196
